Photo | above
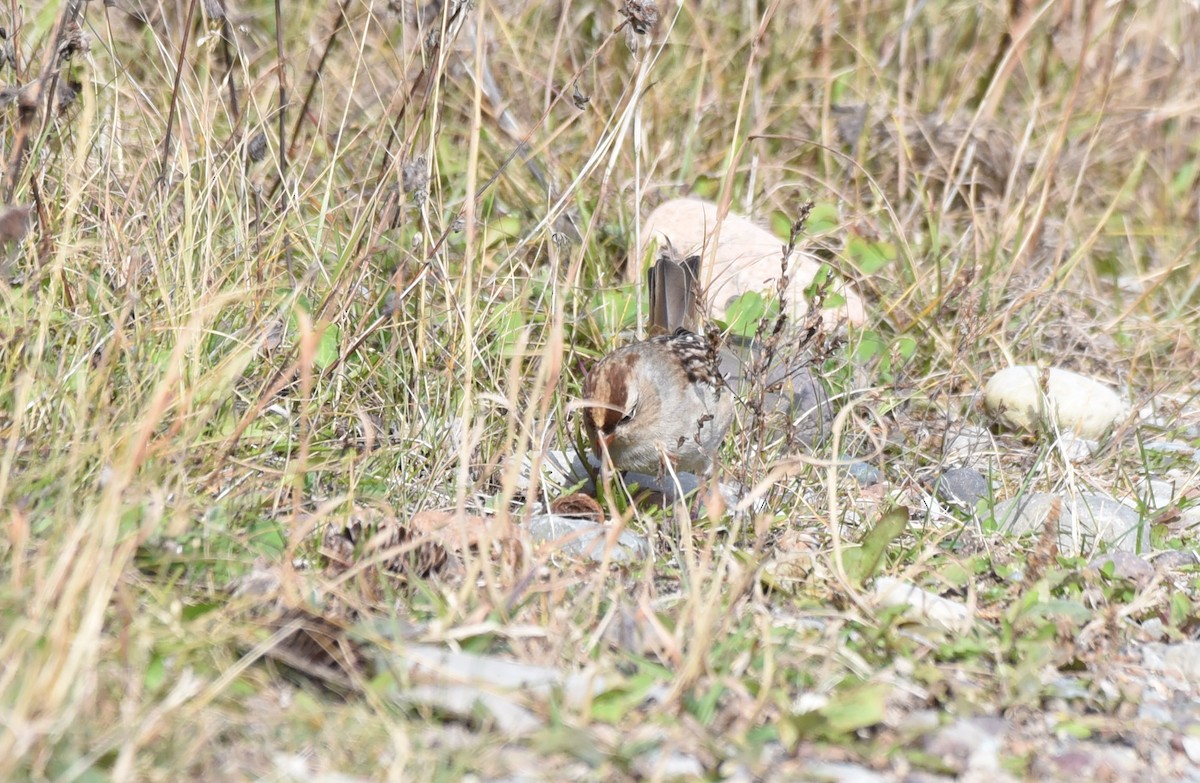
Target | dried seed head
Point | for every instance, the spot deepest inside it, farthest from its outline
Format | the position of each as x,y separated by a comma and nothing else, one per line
68,90
579,99
256,150
74,41
641,15
415,179
432,41
14,222
392,304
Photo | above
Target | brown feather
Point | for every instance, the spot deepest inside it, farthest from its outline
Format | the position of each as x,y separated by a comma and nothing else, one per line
674,292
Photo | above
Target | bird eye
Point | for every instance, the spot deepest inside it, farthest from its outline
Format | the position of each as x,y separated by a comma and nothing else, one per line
628,417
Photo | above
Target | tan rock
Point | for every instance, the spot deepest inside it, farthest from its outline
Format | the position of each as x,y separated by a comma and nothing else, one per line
1072,402
745,258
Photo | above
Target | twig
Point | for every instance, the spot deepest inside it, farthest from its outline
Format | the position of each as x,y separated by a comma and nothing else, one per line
27,108
166,143
316,74
283,156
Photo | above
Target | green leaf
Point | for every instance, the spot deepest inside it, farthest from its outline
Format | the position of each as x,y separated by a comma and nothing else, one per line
869,345
746,311
155,674
706,187
781,224
1182,182
870,257
192,611
1061,609
614,704
327,348
906,346
266,538
614,310
1180,611
1074,728
954,574
848,710
705,708
862,563
508,325
501,230
823,218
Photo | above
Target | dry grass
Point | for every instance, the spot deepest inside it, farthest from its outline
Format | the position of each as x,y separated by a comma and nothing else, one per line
211,350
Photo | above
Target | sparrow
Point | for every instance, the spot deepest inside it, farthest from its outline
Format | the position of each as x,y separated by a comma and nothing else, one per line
671,398
663,399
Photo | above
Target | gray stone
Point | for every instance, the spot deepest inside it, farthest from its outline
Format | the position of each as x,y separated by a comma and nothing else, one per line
668,765
585,538
922,605
965,486
1191,746
970,744
1175,447
1181,659
463,701
864,473
1075,449
1086,521
1126,565
1156,493
1175,559
968,444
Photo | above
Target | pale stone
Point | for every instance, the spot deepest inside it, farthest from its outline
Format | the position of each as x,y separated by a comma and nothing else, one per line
1084,521
745,257
922,604
1072,402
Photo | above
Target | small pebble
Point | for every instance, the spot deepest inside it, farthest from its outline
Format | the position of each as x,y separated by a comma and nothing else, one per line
965,486
1125,565
866,474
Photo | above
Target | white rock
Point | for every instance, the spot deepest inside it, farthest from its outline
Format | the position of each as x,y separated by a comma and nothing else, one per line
841,772
746,257
1073,402
1156,493
1191,746
922,604
1085,521
585,538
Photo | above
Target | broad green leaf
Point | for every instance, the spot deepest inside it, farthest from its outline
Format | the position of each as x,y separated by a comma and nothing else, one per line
1184,180
614,704
823,218
781,224
327,348
862,562
1181,610
869,345
745,312
870,257
857,708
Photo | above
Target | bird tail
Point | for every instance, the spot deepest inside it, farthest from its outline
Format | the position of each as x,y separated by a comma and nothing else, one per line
674,292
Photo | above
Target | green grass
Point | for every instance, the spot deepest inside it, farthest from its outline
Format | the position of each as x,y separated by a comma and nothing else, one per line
201,369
